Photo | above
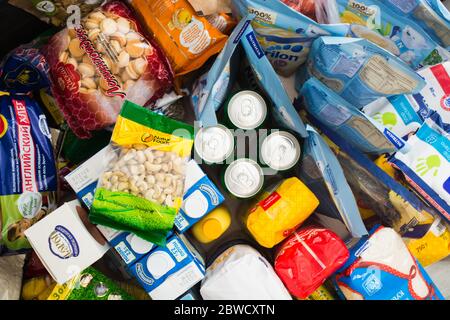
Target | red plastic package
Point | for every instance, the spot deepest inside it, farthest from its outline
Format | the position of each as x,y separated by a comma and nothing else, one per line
98,64
306,7
307,258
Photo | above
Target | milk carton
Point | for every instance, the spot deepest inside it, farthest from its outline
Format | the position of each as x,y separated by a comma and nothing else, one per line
201,197
66,242
168,272
83,180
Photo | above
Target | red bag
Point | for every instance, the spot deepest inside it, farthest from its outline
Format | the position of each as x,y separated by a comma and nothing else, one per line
307,258
98,64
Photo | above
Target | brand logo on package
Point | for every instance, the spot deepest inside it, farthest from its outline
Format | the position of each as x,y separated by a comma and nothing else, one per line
62,243
26,147
397,142
142,276
211,193
445,103
255,45
3,126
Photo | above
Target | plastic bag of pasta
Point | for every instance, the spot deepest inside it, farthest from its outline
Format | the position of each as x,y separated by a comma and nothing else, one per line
142,188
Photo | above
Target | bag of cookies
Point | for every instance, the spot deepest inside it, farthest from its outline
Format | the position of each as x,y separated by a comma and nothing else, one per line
142,188
358,70
97,64
397,33
187,39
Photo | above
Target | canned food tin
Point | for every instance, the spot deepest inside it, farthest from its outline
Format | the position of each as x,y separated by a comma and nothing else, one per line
243,178
280,150
214,144
246,110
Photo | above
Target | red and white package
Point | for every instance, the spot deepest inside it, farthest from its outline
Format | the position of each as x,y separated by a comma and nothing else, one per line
307,258
98,64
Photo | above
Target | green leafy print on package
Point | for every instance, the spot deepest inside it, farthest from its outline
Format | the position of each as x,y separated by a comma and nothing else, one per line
425,165
124,211
387,119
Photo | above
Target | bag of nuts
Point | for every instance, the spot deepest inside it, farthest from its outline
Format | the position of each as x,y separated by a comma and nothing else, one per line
142,188
97,64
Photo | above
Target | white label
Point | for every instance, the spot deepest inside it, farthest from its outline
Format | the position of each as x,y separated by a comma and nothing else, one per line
265,16
177,250
29,203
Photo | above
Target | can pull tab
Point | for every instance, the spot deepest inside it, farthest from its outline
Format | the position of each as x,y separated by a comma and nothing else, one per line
247,109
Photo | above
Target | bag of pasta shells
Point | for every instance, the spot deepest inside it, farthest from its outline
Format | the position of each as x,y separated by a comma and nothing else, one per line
99,63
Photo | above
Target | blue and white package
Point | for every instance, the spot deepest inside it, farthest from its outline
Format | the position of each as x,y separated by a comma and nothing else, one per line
284,33
322,173
358,70
347,121
130,247
381,267
83,180
434,19
427,166
27,168
201,196
210,90
397,33
168,272
396,113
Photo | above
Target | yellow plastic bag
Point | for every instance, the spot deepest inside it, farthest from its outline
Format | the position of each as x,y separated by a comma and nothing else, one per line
280,213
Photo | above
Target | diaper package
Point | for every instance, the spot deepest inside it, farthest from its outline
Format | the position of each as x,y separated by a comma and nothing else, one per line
358,70
382,268
347,121
397,33
242,273
396,113
210,90
322,173
427,166
431,15
285,34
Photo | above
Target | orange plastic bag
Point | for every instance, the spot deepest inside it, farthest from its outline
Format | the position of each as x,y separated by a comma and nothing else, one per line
187,39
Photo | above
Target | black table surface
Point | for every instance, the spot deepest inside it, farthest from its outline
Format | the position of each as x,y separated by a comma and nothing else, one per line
17,27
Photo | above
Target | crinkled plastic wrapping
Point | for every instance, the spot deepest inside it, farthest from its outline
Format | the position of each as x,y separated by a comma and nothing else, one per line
346,121
142,188
381,267
280,212
307,258
397,33
27,184
11,276
358,70
242,273
188,40
98,64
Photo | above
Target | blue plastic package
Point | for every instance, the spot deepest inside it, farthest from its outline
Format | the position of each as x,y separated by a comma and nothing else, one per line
381,267
285,34
211,89
430,17
397,33
427,166
358,70
322,173
347,121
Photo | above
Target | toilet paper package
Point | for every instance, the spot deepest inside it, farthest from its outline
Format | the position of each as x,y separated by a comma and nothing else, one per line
201,197
168,272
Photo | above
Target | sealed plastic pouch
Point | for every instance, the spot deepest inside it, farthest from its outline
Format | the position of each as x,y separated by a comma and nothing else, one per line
141,191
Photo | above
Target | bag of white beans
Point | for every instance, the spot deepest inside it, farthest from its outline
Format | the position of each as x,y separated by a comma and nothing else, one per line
142,188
